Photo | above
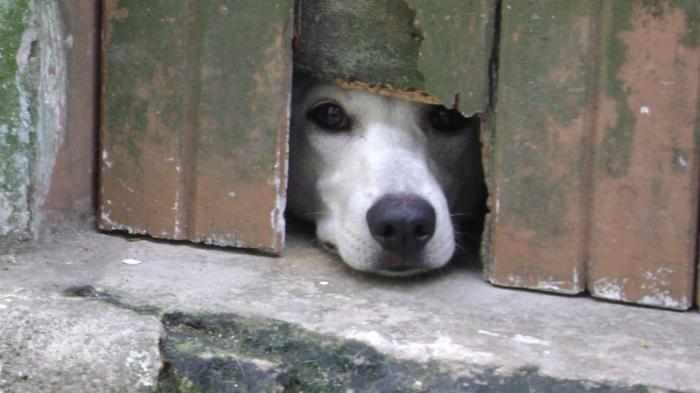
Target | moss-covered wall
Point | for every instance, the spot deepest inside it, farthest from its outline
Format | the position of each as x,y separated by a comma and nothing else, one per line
16,36
46,151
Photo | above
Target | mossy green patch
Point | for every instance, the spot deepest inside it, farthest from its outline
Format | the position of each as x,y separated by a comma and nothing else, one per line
235,353
614,152
691,8
215,70
227,352
144,74
400,47
613,155
244,60
15,142
375,42
544,82
455,52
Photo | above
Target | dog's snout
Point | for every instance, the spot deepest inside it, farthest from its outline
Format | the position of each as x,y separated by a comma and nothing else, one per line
402,224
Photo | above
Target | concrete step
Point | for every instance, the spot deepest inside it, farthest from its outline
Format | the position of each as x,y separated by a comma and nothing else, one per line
94,312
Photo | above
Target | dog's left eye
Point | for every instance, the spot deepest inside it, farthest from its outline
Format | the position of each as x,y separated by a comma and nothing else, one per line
444,119
330,116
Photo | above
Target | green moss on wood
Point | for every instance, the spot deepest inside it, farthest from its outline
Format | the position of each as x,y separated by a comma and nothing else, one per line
375,42
544,86
244,70
455,52
613,154
442,48
212,69
144,73
691,8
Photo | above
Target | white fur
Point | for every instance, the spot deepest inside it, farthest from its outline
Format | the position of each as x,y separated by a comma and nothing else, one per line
335,177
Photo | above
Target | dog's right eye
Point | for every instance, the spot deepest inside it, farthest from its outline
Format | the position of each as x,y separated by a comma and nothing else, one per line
330,116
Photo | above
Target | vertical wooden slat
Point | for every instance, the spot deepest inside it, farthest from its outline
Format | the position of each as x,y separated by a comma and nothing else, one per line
456,49
646,154
242,109
538,221
142,116
194,123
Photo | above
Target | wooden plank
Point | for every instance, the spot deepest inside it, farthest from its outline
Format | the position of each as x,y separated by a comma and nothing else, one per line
455,53
241,156
194,123
646,165
538,216
417,49
70,197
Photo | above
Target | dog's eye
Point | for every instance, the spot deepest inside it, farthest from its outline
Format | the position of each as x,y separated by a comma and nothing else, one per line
330,116
443,119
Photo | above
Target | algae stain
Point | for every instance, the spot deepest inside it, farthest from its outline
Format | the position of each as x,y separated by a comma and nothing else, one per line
614,152
691,8
16,87
544,84
231,352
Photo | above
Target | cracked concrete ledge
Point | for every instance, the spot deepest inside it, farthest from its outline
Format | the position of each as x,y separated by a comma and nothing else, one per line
51,343
230,321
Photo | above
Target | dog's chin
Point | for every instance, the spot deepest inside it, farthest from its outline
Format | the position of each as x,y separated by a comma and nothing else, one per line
397,271
390,265
401,273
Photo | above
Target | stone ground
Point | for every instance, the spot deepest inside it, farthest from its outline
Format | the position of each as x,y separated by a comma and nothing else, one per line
74,317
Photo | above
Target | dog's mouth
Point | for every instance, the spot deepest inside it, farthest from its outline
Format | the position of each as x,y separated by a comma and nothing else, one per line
400,271
329,248
390,264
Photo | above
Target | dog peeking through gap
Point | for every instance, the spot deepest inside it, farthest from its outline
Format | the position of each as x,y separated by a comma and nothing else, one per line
394,187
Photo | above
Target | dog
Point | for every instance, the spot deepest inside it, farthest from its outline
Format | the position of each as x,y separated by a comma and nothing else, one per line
383,178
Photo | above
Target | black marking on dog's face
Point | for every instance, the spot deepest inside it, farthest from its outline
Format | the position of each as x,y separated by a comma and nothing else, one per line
444,119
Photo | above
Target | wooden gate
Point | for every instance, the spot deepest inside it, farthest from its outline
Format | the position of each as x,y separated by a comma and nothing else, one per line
590,113
594,177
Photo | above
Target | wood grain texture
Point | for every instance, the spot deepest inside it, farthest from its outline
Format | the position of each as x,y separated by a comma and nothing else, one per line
194,122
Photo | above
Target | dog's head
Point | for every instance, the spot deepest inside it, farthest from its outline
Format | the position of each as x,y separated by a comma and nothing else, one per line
378,175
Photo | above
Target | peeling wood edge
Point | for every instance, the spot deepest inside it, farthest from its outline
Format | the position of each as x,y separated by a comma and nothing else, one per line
105,35
389,91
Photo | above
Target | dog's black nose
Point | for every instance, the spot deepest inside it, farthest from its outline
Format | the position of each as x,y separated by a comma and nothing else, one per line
401,224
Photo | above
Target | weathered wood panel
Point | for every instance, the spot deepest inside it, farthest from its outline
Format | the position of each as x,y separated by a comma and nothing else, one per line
419,49
594,176
646,154
194,123
538,219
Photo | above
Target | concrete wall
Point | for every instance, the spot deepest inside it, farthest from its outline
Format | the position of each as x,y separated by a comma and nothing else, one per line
17,32
48,76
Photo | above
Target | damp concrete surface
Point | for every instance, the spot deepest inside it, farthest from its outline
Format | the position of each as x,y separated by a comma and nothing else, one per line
90,312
